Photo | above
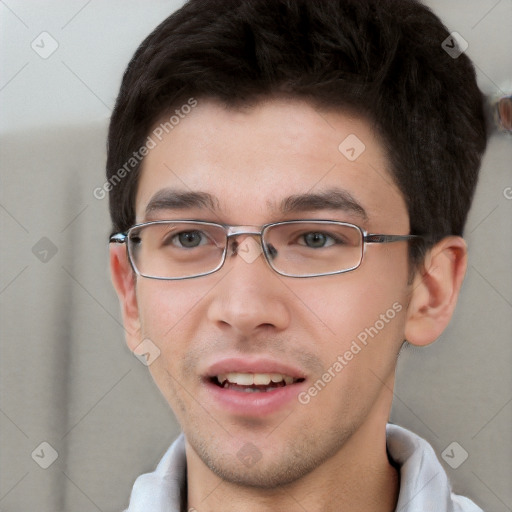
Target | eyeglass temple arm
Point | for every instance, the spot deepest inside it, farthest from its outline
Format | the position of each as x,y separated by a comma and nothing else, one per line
384,239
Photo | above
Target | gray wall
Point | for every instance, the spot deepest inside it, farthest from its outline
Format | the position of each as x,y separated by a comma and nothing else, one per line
67,378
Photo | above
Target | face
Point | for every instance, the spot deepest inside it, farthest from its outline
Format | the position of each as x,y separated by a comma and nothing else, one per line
332,340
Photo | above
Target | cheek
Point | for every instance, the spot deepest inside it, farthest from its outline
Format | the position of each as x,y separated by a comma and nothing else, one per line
358,339
166,306
348,303
360,314
170,315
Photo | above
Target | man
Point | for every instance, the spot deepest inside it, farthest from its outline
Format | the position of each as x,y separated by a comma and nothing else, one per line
289,183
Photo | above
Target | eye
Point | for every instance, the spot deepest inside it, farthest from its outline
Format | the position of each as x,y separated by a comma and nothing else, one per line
189,239
317,239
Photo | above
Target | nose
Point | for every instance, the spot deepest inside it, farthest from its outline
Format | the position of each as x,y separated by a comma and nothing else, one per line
251,297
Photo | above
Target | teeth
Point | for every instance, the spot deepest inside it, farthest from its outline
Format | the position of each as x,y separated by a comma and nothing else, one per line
253,379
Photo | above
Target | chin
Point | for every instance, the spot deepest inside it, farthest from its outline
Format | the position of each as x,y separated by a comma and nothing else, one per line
243,464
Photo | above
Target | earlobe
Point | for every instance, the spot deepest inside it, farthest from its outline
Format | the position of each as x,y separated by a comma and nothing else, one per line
124,281
435,290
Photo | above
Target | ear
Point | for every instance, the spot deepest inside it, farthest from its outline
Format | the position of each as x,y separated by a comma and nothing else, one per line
124,281
435,290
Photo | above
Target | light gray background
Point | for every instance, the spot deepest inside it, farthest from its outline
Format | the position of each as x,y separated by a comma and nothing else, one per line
67,377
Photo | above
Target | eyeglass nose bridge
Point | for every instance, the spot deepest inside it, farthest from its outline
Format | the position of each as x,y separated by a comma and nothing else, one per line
234,232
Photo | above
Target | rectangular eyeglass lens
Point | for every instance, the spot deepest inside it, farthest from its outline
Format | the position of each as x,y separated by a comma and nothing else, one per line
174,250
314,248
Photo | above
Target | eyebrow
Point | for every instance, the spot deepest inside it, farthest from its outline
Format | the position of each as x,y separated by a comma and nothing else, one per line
331,199
170,199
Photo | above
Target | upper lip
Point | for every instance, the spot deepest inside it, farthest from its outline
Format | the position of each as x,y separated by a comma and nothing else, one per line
252,365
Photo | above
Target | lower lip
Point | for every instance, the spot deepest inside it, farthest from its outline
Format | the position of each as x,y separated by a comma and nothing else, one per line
253,404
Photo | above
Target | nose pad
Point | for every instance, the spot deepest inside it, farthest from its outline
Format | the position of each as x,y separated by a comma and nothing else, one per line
272,251
234,246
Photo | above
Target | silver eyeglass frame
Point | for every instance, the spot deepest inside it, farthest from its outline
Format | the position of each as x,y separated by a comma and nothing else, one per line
235,231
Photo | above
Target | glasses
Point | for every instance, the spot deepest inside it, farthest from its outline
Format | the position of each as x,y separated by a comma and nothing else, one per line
183,249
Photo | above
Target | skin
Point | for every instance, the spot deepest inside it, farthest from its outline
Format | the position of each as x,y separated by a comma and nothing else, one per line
331,452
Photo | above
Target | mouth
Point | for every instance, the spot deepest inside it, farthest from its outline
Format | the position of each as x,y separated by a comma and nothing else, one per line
254,382
252,387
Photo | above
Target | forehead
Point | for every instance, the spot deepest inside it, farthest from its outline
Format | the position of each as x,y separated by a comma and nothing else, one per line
252,162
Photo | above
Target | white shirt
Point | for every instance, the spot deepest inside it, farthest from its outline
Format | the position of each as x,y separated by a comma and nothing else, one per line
424,485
